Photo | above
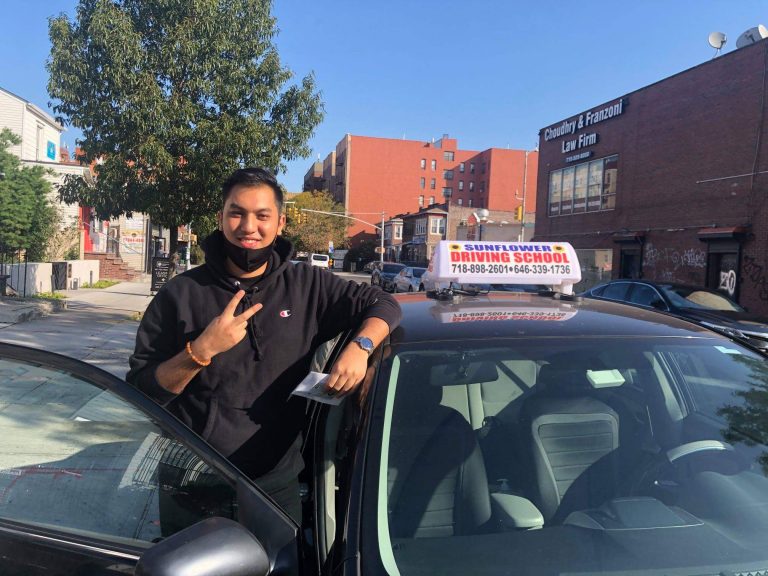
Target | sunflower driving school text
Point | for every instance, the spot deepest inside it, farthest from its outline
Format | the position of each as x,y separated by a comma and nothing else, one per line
508,258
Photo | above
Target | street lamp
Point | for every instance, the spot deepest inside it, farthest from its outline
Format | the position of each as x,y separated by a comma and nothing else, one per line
481,216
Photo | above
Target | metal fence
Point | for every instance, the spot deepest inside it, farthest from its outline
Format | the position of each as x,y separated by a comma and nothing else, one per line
8,259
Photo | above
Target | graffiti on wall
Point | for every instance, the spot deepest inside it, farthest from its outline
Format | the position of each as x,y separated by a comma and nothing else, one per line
756,273
674,259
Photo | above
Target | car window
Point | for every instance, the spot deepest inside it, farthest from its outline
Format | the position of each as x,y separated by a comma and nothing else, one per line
645,295
419,272
685,297
79,459
616,291
391,268
517,446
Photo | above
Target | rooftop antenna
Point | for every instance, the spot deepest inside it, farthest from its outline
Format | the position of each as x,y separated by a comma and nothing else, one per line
717,40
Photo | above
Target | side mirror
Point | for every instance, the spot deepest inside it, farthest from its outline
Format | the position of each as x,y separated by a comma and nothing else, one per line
216,546
658,304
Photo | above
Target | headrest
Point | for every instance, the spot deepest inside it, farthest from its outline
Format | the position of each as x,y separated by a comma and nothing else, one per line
463,373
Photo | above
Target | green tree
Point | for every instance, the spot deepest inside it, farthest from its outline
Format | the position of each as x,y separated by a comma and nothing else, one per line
310,231
27,218
172,96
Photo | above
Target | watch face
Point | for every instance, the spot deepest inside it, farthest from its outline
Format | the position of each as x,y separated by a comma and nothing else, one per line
365,343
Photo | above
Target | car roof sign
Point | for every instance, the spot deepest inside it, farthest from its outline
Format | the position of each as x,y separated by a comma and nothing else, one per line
470,262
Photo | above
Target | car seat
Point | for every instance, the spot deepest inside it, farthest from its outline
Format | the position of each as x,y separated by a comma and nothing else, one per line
437,479
568,432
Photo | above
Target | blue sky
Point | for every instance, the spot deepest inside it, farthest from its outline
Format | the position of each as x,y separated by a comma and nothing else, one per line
488,72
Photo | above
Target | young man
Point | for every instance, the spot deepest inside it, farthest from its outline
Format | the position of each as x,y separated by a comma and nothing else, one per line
223,345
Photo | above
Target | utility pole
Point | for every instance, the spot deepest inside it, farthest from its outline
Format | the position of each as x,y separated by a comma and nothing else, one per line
521,237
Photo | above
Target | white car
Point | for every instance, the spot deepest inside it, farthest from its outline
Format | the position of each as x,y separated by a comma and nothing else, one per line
409,280
322,260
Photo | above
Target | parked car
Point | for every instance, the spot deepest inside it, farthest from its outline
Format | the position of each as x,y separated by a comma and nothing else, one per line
543,432
409,279
369,267
321,260
384,275
707,307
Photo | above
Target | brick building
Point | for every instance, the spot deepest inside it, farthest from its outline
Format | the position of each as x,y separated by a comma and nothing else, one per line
668,182
370,175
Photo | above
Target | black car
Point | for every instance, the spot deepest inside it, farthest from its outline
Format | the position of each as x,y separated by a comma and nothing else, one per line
707,307
493,434
384,275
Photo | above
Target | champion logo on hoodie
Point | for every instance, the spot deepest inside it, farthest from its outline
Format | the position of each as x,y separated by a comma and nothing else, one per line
285,313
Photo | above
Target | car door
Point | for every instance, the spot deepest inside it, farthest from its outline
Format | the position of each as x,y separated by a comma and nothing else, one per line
402,280
93,474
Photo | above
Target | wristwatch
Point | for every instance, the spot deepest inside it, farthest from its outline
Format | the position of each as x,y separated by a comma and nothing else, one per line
364,343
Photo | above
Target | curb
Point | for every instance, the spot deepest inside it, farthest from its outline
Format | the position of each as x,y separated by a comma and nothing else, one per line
26,310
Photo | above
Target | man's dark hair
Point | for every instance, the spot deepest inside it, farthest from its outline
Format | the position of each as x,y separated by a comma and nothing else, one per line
252,177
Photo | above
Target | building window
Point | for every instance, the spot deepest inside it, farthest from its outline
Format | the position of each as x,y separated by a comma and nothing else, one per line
448,174
482,186
437,226
421,201
387,232
461,202
461,184
432,183
423,183
471,186
447,192
586,187
471,167
423,163
434,165
461,167
421,227
482,168
469,202
399,232
431,200
448,156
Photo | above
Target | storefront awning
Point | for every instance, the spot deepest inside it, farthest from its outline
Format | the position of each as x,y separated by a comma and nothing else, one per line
724,233
629,237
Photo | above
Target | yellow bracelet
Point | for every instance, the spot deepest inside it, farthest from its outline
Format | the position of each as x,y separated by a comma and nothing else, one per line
195,358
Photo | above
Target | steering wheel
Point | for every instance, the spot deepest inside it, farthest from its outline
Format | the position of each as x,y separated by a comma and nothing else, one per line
665,474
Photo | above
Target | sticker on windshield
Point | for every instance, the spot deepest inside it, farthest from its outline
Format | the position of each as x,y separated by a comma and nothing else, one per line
725,350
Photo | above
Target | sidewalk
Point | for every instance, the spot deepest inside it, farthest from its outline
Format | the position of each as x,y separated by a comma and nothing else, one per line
98,326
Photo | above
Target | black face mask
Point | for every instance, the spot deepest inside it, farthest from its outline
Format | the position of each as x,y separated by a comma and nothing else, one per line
246,258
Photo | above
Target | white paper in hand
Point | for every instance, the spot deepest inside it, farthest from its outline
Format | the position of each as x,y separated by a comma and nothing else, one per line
313,387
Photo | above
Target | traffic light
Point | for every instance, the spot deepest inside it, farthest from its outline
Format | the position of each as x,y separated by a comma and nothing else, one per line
519,213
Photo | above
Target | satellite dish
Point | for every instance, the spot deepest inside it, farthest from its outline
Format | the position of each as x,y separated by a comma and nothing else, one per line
751,36
717,40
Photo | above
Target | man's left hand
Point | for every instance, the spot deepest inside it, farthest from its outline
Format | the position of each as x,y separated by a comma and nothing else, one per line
348,370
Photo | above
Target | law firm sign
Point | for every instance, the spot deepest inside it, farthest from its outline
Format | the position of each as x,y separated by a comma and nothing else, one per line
573,140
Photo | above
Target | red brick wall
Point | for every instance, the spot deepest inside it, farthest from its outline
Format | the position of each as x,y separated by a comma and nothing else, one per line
384,174
702,124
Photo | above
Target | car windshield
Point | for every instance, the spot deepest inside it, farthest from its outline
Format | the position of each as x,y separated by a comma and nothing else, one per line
685,297
418,272
391,268
586,456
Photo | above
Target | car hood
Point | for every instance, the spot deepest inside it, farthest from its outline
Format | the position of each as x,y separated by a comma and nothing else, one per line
743,321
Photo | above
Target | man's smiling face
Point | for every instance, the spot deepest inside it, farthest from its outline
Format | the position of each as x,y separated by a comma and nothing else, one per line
250,218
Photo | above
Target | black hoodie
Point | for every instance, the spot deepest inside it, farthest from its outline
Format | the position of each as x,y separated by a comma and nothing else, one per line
241,402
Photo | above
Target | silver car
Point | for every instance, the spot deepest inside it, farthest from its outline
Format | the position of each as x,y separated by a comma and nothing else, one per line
409,280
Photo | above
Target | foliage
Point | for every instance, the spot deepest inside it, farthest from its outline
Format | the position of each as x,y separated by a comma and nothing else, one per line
27,217
101,284
198,256
172,96
64,244
311,232
363,253
50,296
